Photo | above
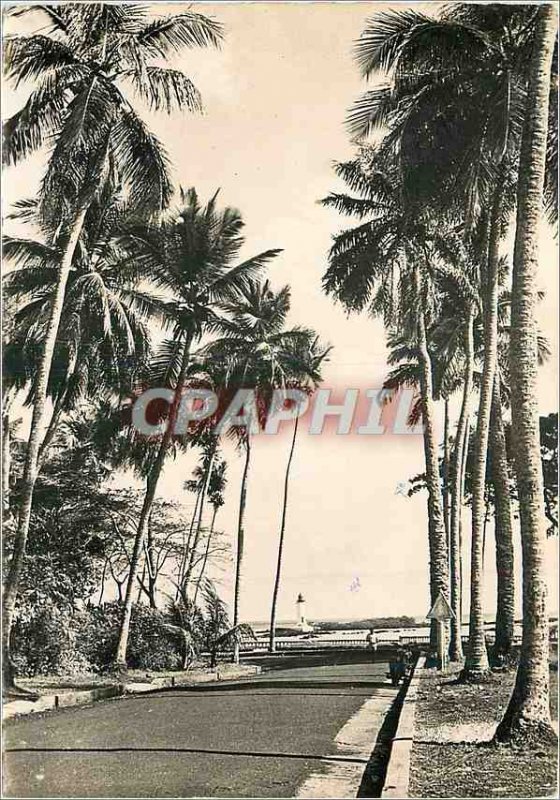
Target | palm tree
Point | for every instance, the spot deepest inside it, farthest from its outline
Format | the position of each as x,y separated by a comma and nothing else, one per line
258,352
201,484
385,264
499,470
216,488
189,255
527,717
79,69
306,374
457,81
102,337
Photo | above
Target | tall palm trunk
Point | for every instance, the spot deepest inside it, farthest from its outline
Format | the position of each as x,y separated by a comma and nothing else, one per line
503,527
240,541
151,487
272,641
198,530
206,553
439,565
187,547
457,489
6,461
30,470
528,714
53,426
476,662
446,470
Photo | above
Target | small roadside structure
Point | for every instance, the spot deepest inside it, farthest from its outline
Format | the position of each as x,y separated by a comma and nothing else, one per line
442,612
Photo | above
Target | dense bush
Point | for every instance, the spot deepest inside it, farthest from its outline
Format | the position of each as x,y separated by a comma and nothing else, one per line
49,641
46,642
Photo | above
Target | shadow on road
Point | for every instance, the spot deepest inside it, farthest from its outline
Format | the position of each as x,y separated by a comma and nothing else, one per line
375,772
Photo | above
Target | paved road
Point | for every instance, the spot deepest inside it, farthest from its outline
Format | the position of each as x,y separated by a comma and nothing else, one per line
259,740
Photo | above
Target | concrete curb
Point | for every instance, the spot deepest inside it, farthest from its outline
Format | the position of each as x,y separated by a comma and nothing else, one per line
52,702
398,771
340,775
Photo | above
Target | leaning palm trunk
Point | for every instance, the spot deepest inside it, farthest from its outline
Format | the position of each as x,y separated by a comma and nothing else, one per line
503,528
476,662
186,548
53,427
272,641
151,487
6,461
240,542
206,554
457,488
439,566
527,717
198,530
32,456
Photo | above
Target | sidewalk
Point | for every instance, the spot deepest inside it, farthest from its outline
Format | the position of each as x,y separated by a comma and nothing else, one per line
65,691
451,754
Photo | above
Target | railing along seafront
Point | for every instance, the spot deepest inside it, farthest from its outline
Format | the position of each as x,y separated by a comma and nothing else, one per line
357,644
361,644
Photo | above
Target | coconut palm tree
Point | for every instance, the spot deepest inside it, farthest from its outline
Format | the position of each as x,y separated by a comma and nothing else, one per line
201,485
499,471
460,78
188,255
527,717
81,69
102,337
216,488
305,374
385,264
258,351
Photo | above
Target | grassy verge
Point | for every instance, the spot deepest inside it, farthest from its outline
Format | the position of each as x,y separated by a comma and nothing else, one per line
452,757
60,684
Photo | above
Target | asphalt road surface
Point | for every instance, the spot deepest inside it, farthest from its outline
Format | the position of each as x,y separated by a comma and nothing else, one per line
261,738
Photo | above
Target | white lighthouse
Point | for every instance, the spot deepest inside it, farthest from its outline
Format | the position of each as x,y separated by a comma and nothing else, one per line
302,623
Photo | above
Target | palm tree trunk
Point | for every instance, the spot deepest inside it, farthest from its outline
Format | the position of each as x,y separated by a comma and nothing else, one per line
476,662
272,642
486,518
439,565
32,456
6,461
186,547
446,469
457,489
240,541
503,527
206,552
53,425
527,717
198,530
151,486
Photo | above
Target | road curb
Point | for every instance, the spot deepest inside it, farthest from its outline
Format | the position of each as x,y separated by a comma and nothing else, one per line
341,774
52,702
398,770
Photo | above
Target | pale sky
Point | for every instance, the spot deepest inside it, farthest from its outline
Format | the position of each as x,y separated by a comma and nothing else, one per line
275,98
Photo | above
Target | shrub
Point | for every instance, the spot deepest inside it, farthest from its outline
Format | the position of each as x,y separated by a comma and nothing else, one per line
51,641
45,642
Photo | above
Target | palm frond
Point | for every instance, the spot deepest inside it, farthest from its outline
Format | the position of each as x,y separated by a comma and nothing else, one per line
166,89
171,34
